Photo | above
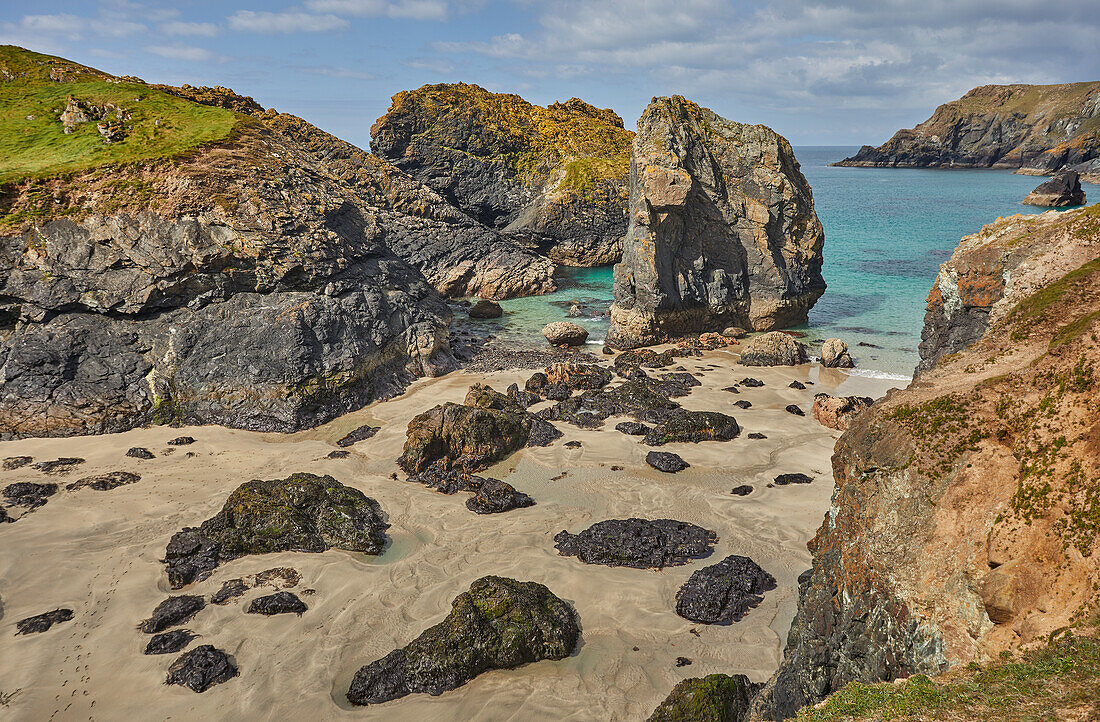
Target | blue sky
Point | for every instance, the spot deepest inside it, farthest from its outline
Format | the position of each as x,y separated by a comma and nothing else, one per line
830,72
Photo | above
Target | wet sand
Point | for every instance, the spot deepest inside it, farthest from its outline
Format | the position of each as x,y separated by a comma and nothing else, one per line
98,553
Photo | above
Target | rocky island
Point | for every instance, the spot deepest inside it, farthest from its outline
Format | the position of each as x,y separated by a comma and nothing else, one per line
1033,129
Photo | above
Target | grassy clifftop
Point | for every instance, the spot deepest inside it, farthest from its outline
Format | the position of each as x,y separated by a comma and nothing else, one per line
142,122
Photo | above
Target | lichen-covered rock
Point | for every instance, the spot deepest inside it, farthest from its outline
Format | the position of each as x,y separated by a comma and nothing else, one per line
683,426
723,593
565,333
666,461
105,482
773,349
498,624
722,229
42,622
169,642
495,496
173,611
714,698
202,668
577,376
834,354
837,412
485,308
1036,128
556,175
638,543
302,512
277,603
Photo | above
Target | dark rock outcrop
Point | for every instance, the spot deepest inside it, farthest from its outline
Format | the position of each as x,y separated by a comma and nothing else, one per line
202,668
643,400
42,622
556,175
495,496
498,624
714,698
723,593
358,434
794,409
1063,190
1037,129
666,461
638,543
29,494
683,426
105,482
742,490
722,229
632,428
169,642
277,603
303,512
173,611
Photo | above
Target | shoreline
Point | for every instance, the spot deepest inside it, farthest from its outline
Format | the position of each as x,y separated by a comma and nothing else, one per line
102,552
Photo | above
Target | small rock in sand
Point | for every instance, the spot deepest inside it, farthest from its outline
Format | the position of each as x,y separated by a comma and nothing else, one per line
58,466
793,409
362,433
743,490
638,543
496,496
181,441
785,479
139,452
106,482
796,385
29,494
202,668
752,383
169,642
42,622
666,461
743,404
173,611
277,603
16,462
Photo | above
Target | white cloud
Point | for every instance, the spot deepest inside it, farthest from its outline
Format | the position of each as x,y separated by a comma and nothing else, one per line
207,30
182,52
412,9
331,71
262,21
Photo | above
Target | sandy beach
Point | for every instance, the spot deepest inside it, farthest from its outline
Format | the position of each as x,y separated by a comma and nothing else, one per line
98,552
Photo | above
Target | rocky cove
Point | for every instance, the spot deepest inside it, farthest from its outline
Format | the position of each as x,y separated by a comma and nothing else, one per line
264,406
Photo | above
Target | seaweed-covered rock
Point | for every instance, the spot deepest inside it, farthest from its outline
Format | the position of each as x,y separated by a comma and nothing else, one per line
642,400
576,376
173,611
464,437
498,624
140,452
58,466
105,482
182,441
303,512
634,359
202,668
692,427
495,496
169,642
787,479
666,461
714,698
485,308
29,494
277,603
42,622
632,428
773,349
838,412
17,462
356,435
638,543
724,592
565,333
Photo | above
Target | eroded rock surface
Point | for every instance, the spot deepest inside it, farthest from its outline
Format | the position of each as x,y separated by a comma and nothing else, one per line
722,229
499,623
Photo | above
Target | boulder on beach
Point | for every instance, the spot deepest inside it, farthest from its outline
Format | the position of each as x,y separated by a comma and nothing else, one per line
486,309
499,623
723,593
773,349
202,668
42,622
638,543
666,461
837,412
303,512
173,611
685,426
277,603
578,376
495,496
834,354
714,698
1061,191
564,333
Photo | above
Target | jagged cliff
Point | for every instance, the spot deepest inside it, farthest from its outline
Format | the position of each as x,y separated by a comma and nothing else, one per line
722,229
555,175
966,515
1037,129
209,261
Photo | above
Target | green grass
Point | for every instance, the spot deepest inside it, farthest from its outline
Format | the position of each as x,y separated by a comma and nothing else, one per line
1042,685
39,147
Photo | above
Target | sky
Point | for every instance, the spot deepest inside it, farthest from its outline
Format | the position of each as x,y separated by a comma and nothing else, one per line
842,72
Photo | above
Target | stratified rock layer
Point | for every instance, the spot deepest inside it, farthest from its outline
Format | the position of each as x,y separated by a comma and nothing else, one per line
963,522
556,175
722,229
1037,129
498,624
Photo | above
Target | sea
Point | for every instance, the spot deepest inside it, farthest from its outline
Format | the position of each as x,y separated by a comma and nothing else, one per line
887,230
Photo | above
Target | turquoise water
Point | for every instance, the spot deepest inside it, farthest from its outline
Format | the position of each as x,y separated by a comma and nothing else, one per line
886,233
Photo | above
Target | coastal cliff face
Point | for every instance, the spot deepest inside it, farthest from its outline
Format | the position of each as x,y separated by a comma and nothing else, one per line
258,273
966,515
555,176
722,229
1037,129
